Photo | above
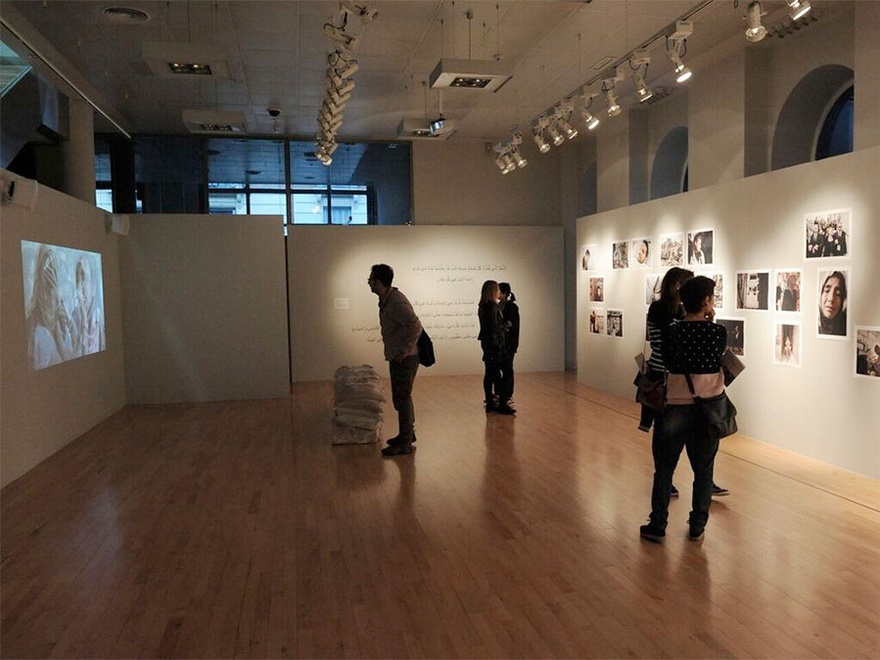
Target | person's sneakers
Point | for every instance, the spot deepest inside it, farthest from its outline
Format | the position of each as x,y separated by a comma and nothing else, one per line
397,441
398,450
695,533
652,532
718,491
673,491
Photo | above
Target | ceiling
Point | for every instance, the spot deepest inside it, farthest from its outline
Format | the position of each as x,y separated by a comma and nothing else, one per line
276,55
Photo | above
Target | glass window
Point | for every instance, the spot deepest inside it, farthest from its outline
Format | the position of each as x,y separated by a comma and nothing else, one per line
104,199
310,208
227,202
269,204
836,136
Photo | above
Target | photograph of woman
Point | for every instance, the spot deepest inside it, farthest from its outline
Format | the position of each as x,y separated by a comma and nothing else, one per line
827,233
832,297
48,322
700,247
640,248
788,290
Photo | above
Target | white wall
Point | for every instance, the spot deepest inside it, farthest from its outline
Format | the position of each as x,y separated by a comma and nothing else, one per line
42,411
334,317
204,308
819,409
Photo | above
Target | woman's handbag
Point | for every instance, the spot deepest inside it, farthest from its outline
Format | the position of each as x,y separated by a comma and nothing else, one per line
651,389
719,411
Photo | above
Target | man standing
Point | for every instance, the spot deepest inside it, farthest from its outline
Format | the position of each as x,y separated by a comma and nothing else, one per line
400,335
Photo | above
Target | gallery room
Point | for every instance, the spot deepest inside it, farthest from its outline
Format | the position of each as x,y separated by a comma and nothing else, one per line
192,199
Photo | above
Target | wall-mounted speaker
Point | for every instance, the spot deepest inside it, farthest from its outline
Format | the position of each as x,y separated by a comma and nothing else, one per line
120,224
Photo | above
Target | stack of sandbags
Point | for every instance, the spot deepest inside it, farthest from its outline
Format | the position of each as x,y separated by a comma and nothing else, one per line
357,406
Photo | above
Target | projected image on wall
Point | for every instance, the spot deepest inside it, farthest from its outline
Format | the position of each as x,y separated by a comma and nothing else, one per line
63,303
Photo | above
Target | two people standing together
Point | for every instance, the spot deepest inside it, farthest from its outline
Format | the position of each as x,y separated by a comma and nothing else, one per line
499,340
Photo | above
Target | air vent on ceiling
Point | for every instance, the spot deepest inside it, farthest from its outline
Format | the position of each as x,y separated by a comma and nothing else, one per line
126,15
486,75
214,122
426,129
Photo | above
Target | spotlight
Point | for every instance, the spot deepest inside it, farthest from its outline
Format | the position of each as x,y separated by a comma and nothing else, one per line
348,69
509,163
590,121
676,46
798,8
570,132
555,135
614,108
338,34
538,137
637,60
518,158
756,30
642,90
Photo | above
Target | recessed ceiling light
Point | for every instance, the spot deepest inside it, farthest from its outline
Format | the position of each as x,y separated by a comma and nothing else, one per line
190,68
126,15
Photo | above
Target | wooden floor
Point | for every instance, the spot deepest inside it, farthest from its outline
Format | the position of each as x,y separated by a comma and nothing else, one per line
235,530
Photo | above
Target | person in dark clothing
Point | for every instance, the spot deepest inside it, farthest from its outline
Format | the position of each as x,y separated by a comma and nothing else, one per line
400,333
492,338
694,346
510,311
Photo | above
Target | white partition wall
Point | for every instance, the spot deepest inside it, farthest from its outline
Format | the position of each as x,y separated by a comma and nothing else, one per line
43,410
334,317
204,308
813,403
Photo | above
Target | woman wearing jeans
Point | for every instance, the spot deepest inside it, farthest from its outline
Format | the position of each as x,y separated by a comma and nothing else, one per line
693,346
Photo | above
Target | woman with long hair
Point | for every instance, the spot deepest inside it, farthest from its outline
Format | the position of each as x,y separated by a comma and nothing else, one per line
492,342
510,311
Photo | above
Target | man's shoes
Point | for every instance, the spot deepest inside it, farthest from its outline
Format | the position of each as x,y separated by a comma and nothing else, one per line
505,409
397,441
652,532
398,450
695,533
673,491
718,491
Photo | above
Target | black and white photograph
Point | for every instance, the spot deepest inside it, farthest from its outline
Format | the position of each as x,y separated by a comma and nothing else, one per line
753,290
653,284
788,289
620,255
700,247
588,257
719,288
787,344
63,302
736,334
597,289
868,351
641,251
833,307
597,321
828,233
614,323
672,249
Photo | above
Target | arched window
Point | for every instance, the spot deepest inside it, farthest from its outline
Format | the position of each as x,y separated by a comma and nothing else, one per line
836,136
805,113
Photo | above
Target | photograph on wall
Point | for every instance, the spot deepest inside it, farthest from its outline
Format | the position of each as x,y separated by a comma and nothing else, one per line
753,290
700,247
588,256
736,334
788,289
614,322
718,278
787,345
597,321
833,304
653,284
672,249
641,251
868,351
828,233
63,303
597,289
620,254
